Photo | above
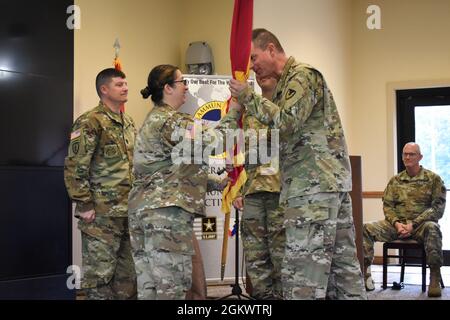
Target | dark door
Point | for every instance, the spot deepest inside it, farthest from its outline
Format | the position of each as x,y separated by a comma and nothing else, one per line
423,116
36,106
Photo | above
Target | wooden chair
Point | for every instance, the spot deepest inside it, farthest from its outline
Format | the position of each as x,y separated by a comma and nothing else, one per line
406,260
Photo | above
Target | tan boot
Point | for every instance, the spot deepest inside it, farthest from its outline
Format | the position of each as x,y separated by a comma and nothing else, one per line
434,289
368,281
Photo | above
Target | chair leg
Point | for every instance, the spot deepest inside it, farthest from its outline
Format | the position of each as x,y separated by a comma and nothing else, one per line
384,286
442,283
424,271
402,262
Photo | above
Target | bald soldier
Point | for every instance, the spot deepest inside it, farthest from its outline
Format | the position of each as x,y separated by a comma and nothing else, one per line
413,203
320,255
98,178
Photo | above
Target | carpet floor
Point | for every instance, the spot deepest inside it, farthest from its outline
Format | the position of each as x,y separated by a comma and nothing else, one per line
411,291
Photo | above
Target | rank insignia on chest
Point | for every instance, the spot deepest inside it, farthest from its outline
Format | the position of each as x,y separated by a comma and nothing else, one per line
111,151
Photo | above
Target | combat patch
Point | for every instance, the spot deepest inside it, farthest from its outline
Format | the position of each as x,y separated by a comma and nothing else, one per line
75,147
294,90
290,94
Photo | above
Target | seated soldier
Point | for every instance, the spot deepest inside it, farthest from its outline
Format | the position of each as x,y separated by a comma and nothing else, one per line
413,202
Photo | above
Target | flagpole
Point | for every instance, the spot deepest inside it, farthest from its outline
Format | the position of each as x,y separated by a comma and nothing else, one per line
226,226
240,44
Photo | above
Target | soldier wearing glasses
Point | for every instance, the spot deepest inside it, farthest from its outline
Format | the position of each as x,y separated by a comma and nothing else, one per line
168,191
413,203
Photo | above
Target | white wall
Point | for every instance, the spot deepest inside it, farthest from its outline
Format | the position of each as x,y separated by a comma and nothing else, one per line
318,33
210,21
148,33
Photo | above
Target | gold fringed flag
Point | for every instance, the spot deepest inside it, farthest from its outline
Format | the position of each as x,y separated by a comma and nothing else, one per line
240,46
118,65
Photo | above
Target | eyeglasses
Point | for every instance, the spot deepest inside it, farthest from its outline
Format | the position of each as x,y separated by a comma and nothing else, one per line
184,81
409,154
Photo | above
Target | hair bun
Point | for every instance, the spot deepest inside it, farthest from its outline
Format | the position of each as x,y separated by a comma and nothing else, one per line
145,92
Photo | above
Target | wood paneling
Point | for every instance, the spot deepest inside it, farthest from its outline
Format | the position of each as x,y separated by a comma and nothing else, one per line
357,206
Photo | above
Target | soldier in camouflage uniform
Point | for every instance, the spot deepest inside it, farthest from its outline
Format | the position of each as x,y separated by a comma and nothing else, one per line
263,236
167,195
413,203
98,178
320,255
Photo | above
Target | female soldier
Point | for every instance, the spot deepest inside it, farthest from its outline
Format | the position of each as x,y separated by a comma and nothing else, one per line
167,193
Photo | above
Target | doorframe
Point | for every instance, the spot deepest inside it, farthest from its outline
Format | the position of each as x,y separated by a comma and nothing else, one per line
391,114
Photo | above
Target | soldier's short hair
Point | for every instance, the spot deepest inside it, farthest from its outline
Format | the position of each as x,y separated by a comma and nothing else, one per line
262,37
413,144
104,77
158,77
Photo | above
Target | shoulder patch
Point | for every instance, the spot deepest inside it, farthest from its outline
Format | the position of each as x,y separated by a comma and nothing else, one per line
75,146
294,90
290,93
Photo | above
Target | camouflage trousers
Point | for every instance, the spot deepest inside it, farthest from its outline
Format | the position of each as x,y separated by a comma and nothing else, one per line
108,268
263,240
320,259
162,248
199,288
427,233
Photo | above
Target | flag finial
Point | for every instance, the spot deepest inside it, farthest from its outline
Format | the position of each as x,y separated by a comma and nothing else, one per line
117,46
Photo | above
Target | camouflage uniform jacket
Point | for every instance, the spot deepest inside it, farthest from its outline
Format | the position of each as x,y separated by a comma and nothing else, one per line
98,168
313,151
159,181
263,178
414,199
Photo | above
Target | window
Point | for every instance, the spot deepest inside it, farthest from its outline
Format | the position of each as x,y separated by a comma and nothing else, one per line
432,125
